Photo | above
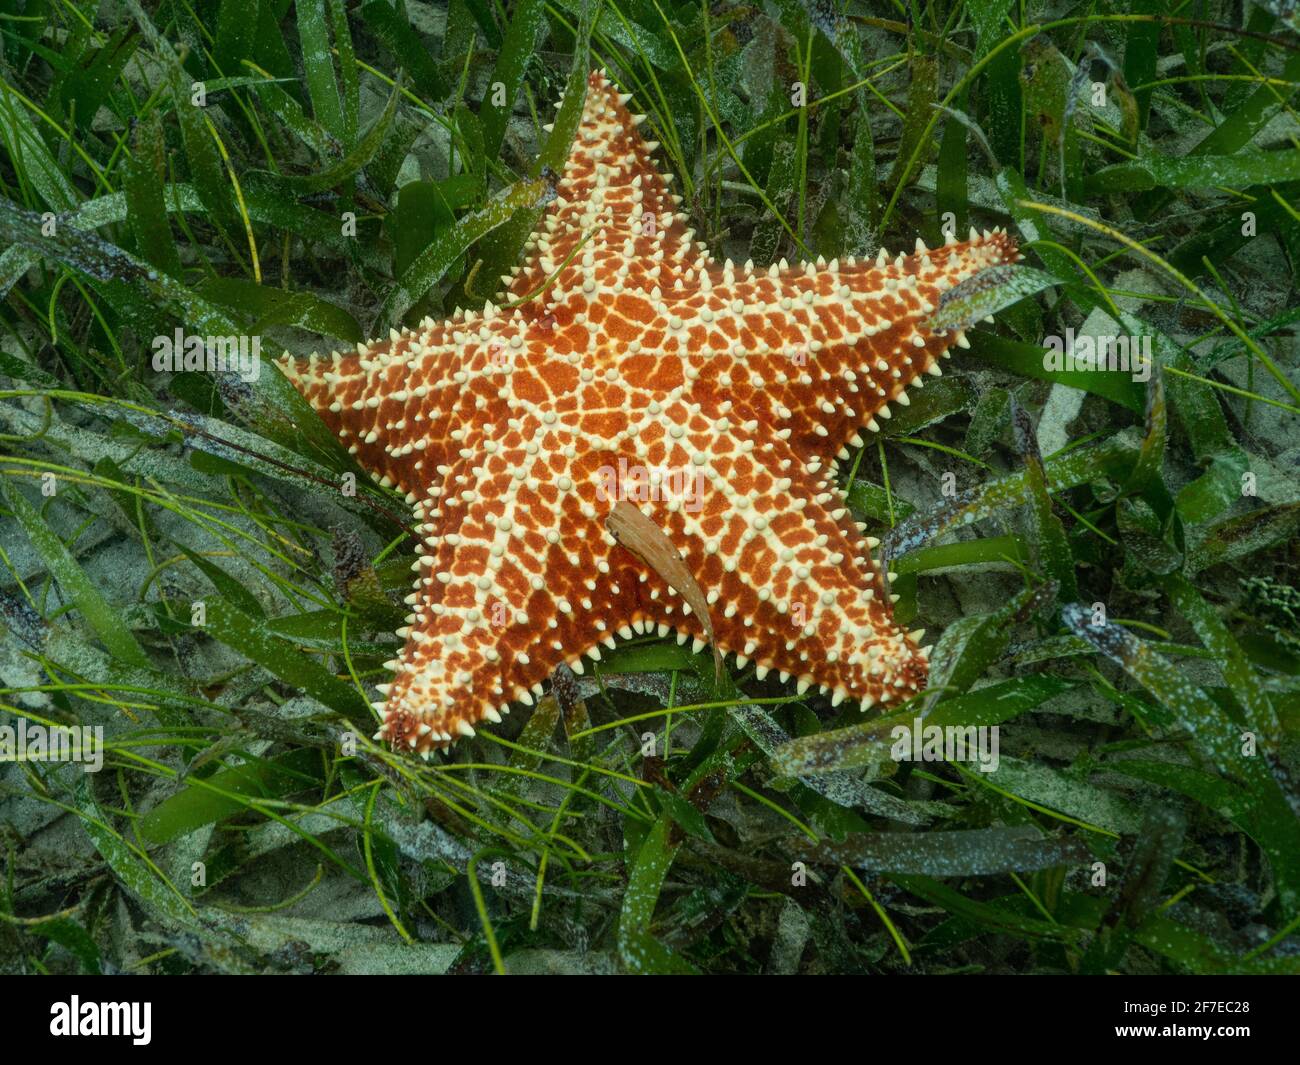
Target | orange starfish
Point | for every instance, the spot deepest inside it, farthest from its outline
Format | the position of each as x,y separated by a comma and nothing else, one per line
712,396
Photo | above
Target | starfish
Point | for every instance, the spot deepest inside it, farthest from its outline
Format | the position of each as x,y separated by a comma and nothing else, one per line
623,363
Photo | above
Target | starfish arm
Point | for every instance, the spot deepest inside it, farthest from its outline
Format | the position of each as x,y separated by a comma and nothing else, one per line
517,575
790,579
613,215
471,595
397,404
827,347
388,402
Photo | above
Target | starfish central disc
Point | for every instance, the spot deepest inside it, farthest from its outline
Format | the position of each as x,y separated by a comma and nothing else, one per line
715,397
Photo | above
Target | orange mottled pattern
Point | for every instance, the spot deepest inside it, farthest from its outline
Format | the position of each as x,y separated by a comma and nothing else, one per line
621,361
